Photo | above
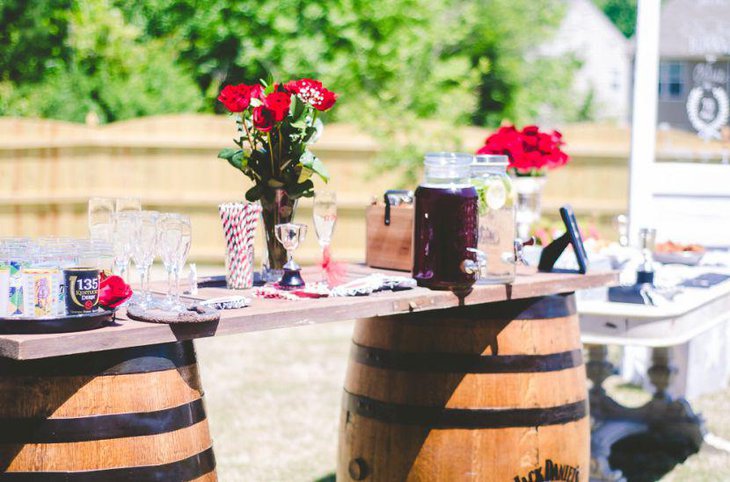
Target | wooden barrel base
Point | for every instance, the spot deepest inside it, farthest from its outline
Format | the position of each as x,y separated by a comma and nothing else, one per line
130,415
487,393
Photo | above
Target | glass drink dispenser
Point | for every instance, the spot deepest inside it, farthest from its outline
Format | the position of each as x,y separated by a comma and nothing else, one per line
496,238
445,228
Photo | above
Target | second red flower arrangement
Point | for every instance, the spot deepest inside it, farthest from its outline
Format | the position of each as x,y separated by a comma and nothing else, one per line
531,151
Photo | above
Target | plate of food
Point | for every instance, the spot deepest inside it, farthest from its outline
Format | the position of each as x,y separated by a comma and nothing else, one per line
670,252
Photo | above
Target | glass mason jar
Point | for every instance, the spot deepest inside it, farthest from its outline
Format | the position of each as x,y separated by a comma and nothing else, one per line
496,218
445,225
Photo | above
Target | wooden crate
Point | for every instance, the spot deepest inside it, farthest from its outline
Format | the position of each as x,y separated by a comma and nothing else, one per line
389,246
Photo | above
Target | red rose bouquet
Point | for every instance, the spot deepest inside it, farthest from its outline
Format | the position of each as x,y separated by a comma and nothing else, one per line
531,151
276,124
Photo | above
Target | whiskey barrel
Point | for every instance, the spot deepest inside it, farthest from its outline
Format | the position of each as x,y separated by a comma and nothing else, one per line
494,392
131,415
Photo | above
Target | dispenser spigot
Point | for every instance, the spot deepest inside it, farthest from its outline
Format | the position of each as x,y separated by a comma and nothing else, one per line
518,255
477,267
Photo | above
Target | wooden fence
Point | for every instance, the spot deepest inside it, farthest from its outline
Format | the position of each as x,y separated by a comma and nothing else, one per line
49,169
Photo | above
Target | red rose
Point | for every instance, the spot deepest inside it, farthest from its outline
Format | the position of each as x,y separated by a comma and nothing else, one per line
278,103
236,98
312,92
257,91
546,143
530,130
534,159
531,141
113,291
263,119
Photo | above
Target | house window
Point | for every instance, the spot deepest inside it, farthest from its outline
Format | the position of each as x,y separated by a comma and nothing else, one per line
671,81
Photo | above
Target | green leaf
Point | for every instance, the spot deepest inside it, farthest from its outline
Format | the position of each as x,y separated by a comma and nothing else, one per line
305,174
308,133
227,153
254,194
312,162
296,109
300,124
238,161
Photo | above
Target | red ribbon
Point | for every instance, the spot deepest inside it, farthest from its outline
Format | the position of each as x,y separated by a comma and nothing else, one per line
334,271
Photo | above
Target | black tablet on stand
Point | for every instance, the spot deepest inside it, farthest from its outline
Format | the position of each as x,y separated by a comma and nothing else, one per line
552,252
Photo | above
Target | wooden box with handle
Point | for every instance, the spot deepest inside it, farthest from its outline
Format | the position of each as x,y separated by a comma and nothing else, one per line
390,232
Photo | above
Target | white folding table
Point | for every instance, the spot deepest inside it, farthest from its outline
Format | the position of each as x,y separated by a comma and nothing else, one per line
678,333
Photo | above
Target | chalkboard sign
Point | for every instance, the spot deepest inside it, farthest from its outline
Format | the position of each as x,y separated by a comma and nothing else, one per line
552,252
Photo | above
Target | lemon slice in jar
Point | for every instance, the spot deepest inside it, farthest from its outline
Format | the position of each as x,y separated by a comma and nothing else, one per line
496,195
511,195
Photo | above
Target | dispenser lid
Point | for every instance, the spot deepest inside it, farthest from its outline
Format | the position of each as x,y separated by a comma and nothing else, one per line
447,159
490,160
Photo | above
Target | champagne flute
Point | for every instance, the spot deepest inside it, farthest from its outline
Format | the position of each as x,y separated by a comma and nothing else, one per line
100,213
324,214
122,240
143,251
174,236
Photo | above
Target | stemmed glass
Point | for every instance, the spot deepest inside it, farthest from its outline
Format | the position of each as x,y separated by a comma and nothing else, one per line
143,251
101,222
324,214
122,241
174,236
290,235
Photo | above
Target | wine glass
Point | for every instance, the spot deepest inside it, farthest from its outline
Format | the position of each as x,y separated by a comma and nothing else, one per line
143,251
290,235
125,204
100,213
174,236
122,241
324,214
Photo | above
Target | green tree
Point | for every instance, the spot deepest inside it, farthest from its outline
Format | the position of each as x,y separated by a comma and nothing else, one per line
622,13
97,64
457,61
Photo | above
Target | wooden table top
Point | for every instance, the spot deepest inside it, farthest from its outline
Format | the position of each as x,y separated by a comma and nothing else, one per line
264,314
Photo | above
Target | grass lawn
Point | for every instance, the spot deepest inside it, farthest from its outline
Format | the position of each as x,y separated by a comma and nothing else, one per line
273,400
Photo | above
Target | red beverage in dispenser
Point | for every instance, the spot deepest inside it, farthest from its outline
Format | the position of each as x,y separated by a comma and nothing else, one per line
446,224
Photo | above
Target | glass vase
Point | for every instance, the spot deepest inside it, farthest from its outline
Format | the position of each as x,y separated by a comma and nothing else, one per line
277,209
529,202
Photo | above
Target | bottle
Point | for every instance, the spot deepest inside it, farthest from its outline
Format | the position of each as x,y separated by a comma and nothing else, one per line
497,228
445,225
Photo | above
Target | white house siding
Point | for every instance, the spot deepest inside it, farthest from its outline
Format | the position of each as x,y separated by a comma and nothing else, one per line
591,37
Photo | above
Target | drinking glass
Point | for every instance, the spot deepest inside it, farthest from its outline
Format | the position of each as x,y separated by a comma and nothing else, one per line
290,235
174,236
324,214
122,241
143,252
124,204
100,213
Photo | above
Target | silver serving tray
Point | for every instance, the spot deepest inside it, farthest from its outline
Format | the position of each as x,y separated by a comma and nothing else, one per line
55,324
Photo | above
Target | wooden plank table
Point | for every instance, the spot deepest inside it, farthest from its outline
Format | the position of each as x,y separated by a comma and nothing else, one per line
270,314
124,402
